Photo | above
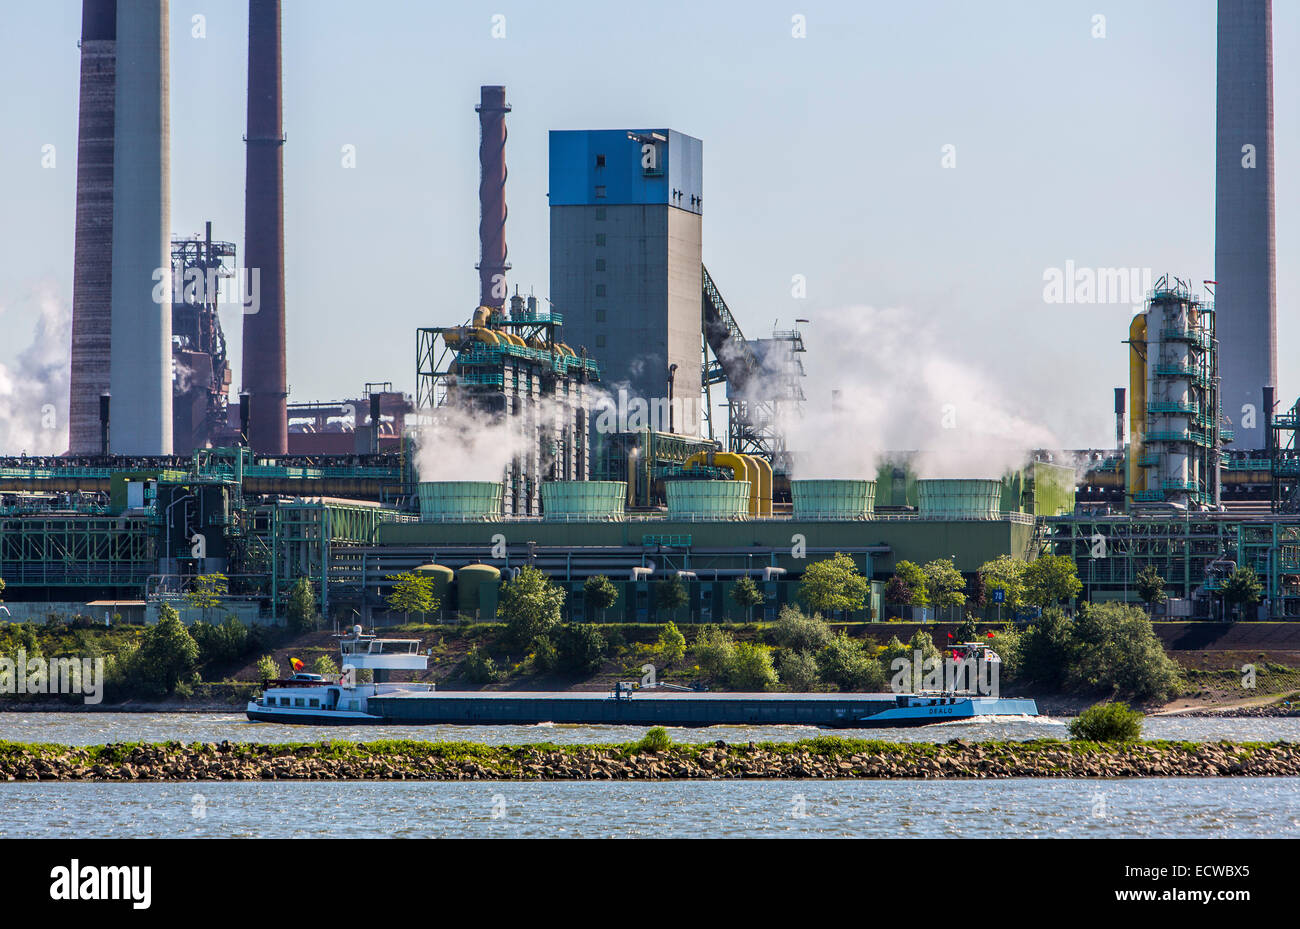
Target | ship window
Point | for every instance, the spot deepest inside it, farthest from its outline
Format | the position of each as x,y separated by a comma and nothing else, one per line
297,701
315,702
284,701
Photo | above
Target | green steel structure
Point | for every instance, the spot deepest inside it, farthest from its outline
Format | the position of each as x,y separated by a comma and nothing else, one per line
68,550
1194,553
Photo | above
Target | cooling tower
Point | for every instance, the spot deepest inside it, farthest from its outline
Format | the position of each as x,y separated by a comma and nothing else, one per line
141,354
1245,258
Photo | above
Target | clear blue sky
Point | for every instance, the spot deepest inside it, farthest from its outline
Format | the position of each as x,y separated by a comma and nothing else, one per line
822,158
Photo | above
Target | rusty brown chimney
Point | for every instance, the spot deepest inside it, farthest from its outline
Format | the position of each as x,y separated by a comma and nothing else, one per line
492,266
264,369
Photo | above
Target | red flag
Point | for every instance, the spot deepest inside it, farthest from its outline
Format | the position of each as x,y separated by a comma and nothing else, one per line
296,664
990,635
950,635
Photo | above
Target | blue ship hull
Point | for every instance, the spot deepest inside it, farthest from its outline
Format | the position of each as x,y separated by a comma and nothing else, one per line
477,708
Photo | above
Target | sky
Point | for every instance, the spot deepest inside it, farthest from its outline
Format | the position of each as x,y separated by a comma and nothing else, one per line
824,156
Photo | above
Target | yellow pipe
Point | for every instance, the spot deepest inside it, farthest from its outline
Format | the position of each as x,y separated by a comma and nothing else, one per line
743,468
1137,401
765,477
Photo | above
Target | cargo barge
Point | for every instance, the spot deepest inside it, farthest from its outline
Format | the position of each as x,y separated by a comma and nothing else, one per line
310,699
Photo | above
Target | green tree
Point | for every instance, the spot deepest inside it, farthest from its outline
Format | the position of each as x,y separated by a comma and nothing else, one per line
325,666
168,653
1006,574
799,632
411,593
911,577
798,670
1151,586
220,644
944,585
672,644
206,592
533,606
747,594
670,595
715,650
580,649
845,664
751,668
1243,588
1006,643
1049,579
833,586
1047,648
600,592
301,607
268,669
923,642
1116,651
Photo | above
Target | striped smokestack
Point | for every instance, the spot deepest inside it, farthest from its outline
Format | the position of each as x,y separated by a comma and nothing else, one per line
92,271
264,369
1245,251
492,266
141,378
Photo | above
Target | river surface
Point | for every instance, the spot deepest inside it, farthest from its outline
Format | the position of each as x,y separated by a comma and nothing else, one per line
1080,808
99,728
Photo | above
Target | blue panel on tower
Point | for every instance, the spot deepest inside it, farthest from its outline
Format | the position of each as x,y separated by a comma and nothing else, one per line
626,166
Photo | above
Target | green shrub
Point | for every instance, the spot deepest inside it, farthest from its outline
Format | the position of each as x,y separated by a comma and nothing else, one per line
1047,650
799,632
844,663
580,649
1107,722
268,669
715,651
324,666
1116,650
220,644
671,646
545,655
1007,643
798,670
751,668
479,667
654,741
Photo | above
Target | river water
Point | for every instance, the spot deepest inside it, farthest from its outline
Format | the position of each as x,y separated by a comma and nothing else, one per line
1025,807
1156,808
99,728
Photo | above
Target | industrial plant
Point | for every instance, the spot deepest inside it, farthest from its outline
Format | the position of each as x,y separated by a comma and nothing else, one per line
576,432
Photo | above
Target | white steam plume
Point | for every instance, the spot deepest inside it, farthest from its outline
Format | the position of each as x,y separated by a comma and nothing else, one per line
34,391
897,390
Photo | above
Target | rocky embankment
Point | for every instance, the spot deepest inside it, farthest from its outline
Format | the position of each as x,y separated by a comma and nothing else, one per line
819,758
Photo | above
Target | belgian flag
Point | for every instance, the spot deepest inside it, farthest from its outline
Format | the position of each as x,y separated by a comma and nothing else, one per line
296,665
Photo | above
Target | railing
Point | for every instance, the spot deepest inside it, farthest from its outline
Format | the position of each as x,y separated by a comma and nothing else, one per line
1024,519
1173,406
